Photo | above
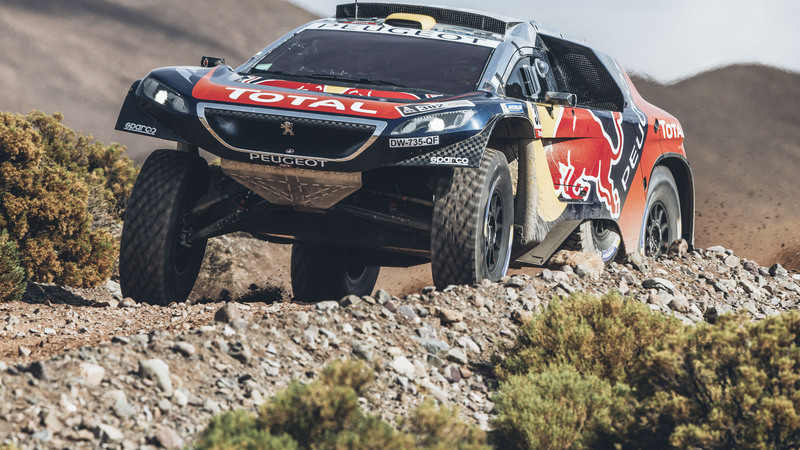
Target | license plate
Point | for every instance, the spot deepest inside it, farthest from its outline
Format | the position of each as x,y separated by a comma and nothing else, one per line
413,142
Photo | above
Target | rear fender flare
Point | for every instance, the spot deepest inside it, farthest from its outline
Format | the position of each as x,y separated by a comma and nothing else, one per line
681,171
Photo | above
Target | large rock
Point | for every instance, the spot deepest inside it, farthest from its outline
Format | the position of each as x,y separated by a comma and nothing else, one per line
228,313
659,283
92,374
402,366
590,263
637,261
158,371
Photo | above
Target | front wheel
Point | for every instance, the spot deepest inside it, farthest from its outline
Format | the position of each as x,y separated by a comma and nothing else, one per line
662,221
473,219
158,261
324,272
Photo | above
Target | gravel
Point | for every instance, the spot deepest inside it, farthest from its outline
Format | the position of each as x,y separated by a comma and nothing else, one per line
156,375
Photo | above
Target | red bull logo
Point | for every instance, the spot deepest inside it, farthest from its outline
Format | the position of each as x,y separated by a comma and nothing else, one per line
588,168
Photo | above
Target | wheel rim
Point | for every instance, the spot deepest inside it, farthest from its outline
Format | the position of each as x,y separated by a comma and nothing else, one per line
605,239
657,230
355,272
494,231
600,230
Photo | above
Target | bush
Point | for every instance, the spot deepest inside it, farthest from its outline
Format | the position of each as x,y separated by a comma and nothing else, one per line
107,170
603,337
12,276
58,194
733,384
621,376
441,428
239,430
559,408
326,414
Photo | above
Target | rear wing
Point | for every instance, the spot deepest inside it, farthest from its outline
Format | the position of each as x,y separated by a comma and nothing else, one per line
445,16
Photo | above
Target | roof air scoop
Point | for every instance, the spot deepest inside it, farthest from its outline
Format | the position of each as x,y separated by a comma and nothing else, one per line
408,20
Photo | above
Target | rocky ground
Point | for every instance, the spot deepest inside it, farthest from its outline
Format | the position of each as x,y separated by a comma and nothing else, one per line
88,369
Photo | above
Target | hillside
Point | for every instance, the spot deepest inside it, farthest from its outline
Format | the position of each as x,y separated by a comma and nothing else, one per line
87,368
80,57
743,142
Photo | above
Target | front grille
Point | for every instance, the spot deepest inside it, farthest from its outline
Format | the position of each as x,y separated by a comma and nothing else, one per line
273,133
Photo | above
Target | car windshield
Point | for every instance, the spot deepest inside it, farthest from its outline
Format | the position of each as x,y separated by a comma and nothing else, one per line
394,61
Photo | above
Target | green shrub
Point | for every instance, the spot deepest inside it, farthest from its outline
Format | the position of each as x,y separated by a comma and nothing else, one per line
621,376
441,428
559,408
236,430
603,337
733,384
58,193
326,414
107,170
12,276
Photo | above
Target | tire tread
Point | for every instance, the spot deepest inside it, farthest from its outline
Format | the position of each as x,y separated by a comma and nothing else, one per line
146,227
453,243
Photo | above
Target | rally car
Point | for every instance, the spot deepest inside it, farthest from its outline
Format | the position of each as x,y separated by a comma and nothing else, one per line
393,135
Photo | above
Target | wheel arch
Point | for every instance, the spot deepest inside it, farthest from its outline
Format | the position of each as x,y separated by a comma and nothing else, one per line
681,171
508,133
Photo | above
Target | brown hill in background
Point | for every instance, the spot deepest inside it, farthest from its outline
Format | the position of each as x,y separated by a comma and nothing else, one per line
743,142
79,57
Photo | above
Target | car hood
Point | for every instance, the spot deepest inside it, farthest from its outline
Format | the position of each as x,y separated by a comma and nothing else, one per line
223,85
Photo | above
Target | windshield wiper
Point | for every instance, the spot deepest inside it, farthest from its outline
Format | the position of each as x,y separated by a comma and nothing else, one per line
373,81
272,72
325,76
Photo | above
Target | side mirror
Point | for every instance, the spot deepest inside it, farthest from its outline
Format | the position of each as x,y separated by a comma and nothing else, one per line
210,61
561,98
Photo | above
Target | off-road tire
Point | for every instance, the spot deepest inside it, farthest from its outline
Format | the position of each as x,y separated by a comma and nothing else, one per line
324,272
153,265
595,237
473,220
662,219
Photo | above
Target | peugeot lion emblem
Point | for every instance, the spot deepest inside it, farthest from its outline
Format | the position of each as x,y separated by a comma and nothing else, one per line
288,128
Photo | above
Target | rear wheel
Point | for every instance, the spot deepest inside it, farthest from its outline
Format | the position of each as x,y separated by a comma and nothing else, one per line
662,221
158,262
596,236
473,219
323,272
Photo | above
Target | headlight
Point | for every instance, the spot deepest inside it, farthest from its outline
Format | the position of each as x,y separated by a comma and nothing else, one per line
434,123
161,94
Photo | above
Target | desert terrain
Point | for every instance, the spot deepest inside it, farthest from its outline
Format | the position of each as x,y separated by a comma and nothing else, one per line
80,57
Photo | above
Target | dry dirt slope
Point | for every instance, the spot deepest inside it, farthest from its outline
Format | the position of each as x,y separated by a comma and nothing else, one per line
743,142
80,57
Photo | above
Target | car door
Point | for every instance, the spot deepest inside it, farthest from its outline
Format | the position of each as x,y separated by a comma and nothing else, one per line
591,133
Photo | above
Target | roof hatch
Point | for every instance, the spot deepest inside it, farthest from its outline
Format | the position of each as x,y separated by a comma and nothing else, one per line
408,20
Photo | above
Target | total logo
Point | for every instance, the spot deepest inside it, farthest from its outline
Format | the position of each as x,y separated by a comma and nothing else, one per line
306,101
671,130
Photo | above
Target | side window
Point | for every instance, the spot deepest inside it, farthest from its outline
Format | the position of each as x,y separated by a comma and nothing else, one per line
529,79
579,71
517,86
